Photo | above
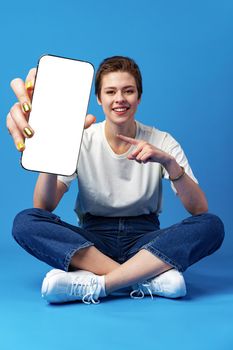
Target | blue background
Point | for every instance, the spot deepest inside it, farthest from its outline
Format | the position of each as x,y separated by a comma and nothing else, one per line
185,52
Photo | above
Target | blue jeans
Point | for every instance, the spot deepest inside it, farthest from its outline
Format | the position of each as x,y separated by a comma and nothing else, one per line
44,235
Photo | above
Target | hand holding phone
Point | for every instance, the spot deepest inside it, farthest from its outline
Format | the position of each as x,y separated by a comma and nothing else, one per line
59,106
17,118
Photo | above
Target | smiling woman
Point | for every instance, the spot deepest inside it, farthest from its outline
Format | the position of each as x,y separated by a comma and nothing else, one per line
119,100
119,243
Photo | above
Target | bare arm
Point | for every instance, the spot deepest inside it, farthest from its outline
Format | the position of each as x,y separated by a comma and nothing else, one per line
48,192
190,194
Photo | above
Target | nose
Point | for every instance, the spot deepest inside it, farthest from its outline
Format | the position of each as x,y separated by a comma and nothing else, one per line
119,97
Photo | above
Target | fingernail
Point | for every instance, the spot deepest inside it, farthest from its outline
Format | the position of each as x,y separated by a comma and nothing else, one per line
28,132
26,107
28,85
20,146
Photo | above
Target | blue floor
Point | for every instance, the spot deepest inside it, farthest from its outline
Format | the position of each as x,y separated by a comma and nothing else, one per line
201,320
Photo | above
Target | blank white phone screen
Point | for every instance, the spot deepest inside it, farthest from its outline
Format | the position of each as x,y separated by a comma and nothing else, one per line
59,107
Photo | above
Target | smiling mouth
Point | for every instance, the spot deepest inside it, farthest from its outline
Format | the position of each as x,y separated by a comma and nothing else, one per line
121,109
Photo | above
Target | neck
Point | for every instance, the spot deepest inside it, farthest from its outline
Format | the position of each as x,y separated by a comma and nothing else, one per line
111,130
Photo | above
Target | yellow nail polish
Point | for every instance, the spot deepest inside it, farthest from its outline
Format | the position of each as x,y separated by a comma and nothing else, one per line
20,146
28,85
26,107
28,132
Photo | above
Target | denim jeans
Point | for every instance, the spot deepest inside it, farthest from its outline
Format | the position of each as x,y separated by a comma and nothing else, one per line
44,235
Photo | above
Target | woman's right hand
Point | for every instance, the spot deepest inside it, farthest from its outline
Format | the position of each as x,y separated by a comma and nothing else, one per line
17,118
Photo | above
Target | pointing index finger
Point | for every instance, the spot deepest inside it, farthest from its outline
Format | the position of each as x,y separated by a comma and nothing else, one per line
128,139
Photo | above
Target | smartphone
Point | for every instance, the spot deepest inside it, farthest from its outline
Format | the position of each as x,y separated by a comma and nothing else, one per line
59,106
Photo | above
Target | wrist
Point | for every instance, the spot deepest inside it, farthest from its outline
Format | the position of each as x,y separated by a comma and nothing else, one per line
175,171
168,162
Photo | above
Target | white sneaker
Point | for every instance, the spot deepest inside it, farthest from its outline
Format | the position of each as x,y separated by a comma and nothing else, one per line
60,286
169,284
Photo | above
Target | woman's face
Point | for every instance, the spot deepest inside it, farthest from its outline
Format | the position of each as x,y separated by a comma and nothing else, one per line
119,97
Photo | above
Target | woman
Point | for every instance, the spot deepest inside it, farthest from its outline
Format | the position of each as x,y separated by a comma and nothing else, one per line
119,244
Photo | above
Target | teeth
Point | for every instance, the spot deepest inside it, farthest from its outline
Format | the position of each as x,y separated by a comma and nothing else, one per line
120,109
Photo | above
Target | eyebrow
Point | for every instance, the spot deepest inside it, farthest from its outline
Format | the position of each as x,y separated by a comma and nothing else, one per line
125,87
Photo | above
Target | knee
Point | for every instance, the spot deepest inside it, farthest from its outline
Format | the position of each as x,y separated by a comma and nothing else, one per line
21,223
215,229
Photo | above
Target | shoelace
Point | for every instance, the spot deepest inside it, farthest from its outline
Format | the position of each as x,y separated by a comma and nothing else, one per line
86,289
139,292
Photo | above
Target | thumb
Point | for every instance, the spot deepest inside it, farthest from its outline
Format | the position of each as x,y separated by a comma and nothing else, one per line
90,119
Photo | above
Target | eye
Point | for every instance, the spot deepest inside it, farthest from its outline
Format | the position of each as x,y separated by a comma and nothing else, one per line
109,92
130,91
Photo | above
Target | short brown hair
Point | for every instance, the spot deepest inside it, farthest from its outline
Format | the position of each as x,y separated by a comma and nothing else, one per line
114,64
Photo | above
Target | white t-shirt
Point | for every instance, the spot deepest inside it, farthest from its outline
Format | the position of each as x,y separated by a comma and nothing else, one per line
112,185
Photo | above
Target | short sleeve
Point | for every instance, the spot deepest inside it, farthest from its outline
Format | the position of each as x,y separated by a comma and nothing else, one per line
67,179
172,147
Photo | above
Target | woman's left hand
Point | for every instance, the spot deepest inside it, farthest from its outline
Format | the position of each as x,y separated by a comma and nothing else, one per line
145,152
189,192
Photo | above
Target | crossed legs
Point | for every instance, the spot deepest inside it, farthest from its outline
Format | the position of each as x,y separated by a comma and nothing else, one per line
55,242
139,268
